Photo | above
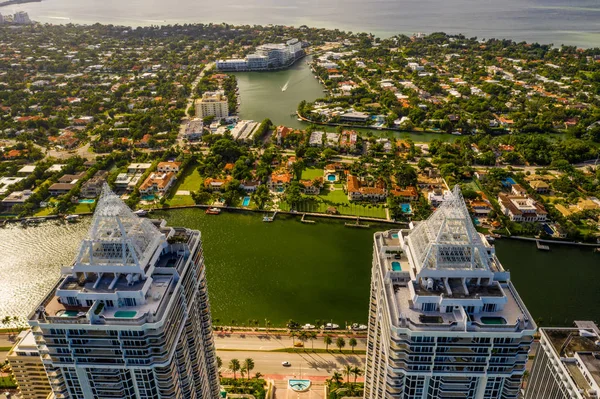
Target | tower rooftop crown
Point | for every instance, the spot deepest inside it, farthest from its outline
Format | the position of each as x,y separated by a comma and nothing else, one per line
117,237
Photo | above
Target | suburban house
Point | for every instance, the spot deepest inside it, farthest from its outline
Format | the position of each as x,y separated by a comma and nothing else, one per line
138,168
518,189
409,193
354,117
310,188
60,188
540,187
93,187
15,198
481,208
278,181
281,133
216,184
438,196
157,183
249,186
358,192
348,139
165,167
522,208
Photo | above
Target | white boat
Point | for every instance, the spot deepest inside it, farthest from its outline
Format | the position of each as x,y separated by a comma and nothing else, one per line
71,218
457,133
308,327
489,238
267,219
213,211
330,326
141,212
360,327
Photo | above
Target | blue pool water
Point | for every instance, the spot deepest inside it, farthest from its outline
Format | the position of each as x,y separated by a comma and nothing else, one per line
246,201
331,177
476,221
396,266
148,197
86,201
406,208
508,182
299,385
395,235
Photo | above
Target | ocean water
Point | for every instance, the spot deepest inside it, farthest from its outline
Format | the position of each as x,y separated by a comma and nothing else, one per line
572,22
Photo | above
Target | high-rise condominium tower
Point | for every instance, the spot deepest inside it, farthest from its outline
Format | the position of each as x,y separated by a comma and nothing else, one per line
445,320
130,317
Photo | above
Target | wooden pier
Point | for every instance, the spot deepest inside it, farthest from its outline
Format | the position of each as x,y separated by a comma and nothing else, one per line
303,220
541,246
357,224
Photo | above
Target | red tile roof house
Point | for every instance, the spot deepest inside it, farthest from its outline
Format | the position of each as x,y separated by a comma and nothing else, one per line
157,183
309,188
358,193
164,167
278,181
409,193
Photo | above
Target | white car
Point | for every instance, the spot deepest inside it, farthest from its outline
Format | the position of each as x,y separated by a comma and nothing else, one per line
286,364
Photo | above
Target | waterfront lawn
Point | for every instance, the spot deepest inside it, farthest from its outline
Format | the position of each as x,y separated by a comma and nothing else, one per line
83,208
181,200
190,181
339,200
311,173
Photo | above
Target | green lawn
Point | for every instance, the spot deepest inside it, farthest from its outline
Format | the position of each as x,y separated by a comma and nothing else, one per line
189,181
311,173
83,208
44,211
339,200
181,200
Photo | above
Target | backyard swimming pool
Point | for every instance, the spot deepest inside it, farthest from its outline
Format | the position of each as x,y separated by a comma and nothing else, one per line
148,197
87,201
246,201
406,208
331,177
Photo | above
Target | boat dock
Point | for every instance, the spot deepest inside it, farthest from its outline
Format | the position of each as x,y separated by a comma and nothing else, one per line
270,218
303,220
541,246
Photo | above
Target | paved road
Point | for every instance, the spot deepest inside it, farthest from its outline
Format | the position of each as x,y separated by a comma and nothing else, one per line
316,366
190,102
253,341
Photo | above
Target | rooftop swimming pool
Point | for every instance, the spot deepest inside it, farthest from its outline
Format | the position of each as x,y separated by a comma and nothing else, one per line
396,266
395,235
246,201
126,314
86,201
299,385
69,313
331,177
493,320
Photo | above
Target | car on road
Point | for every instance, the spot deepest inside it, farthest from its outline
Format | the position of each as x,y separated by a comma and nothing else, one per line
286,364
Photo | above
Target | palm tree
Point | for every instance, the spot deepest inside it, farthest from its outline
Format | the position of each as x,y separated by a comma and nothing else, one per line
234,365
249,366
312,336
357,371
347,372
328,341
219,362
293,334
243,371
258,375
336,378
303,337
340,342
352,342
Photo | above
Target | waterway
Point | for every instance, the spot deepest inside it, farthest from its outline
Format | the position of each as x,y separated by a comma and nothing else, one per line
572,22
287,269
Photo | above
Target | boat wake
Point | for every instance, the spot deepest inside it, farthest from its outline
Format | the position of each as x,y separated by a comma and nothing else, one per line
285,86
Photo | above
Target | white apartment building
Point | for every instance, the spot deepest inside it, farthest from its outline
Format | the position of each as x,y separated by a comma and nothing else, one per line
567,363
267,56
212,104
129,318
445,320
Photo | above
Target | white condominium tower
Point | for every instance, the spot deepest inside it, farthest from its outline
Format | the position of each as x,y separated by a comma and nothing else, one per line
130,317
445,321
567,363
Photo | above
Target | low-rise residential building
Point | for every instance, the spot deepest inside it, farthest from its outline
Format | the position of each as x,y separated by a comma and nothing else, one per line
358,192
522,208
157,183
193,129
409,193
171,166
540,186
278,181
332,139
138,168
27,368
60,188
281,133
127,181
71,179
6,182
55,168
316,138
93,187
216,184
438,197
518,189
16,198
354,117
348,139
481,208
26,170
249,186
311,187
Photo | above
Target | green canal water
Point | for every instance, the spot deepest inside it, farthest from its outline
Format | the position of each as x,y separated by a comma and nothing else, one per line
287,269
261,96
